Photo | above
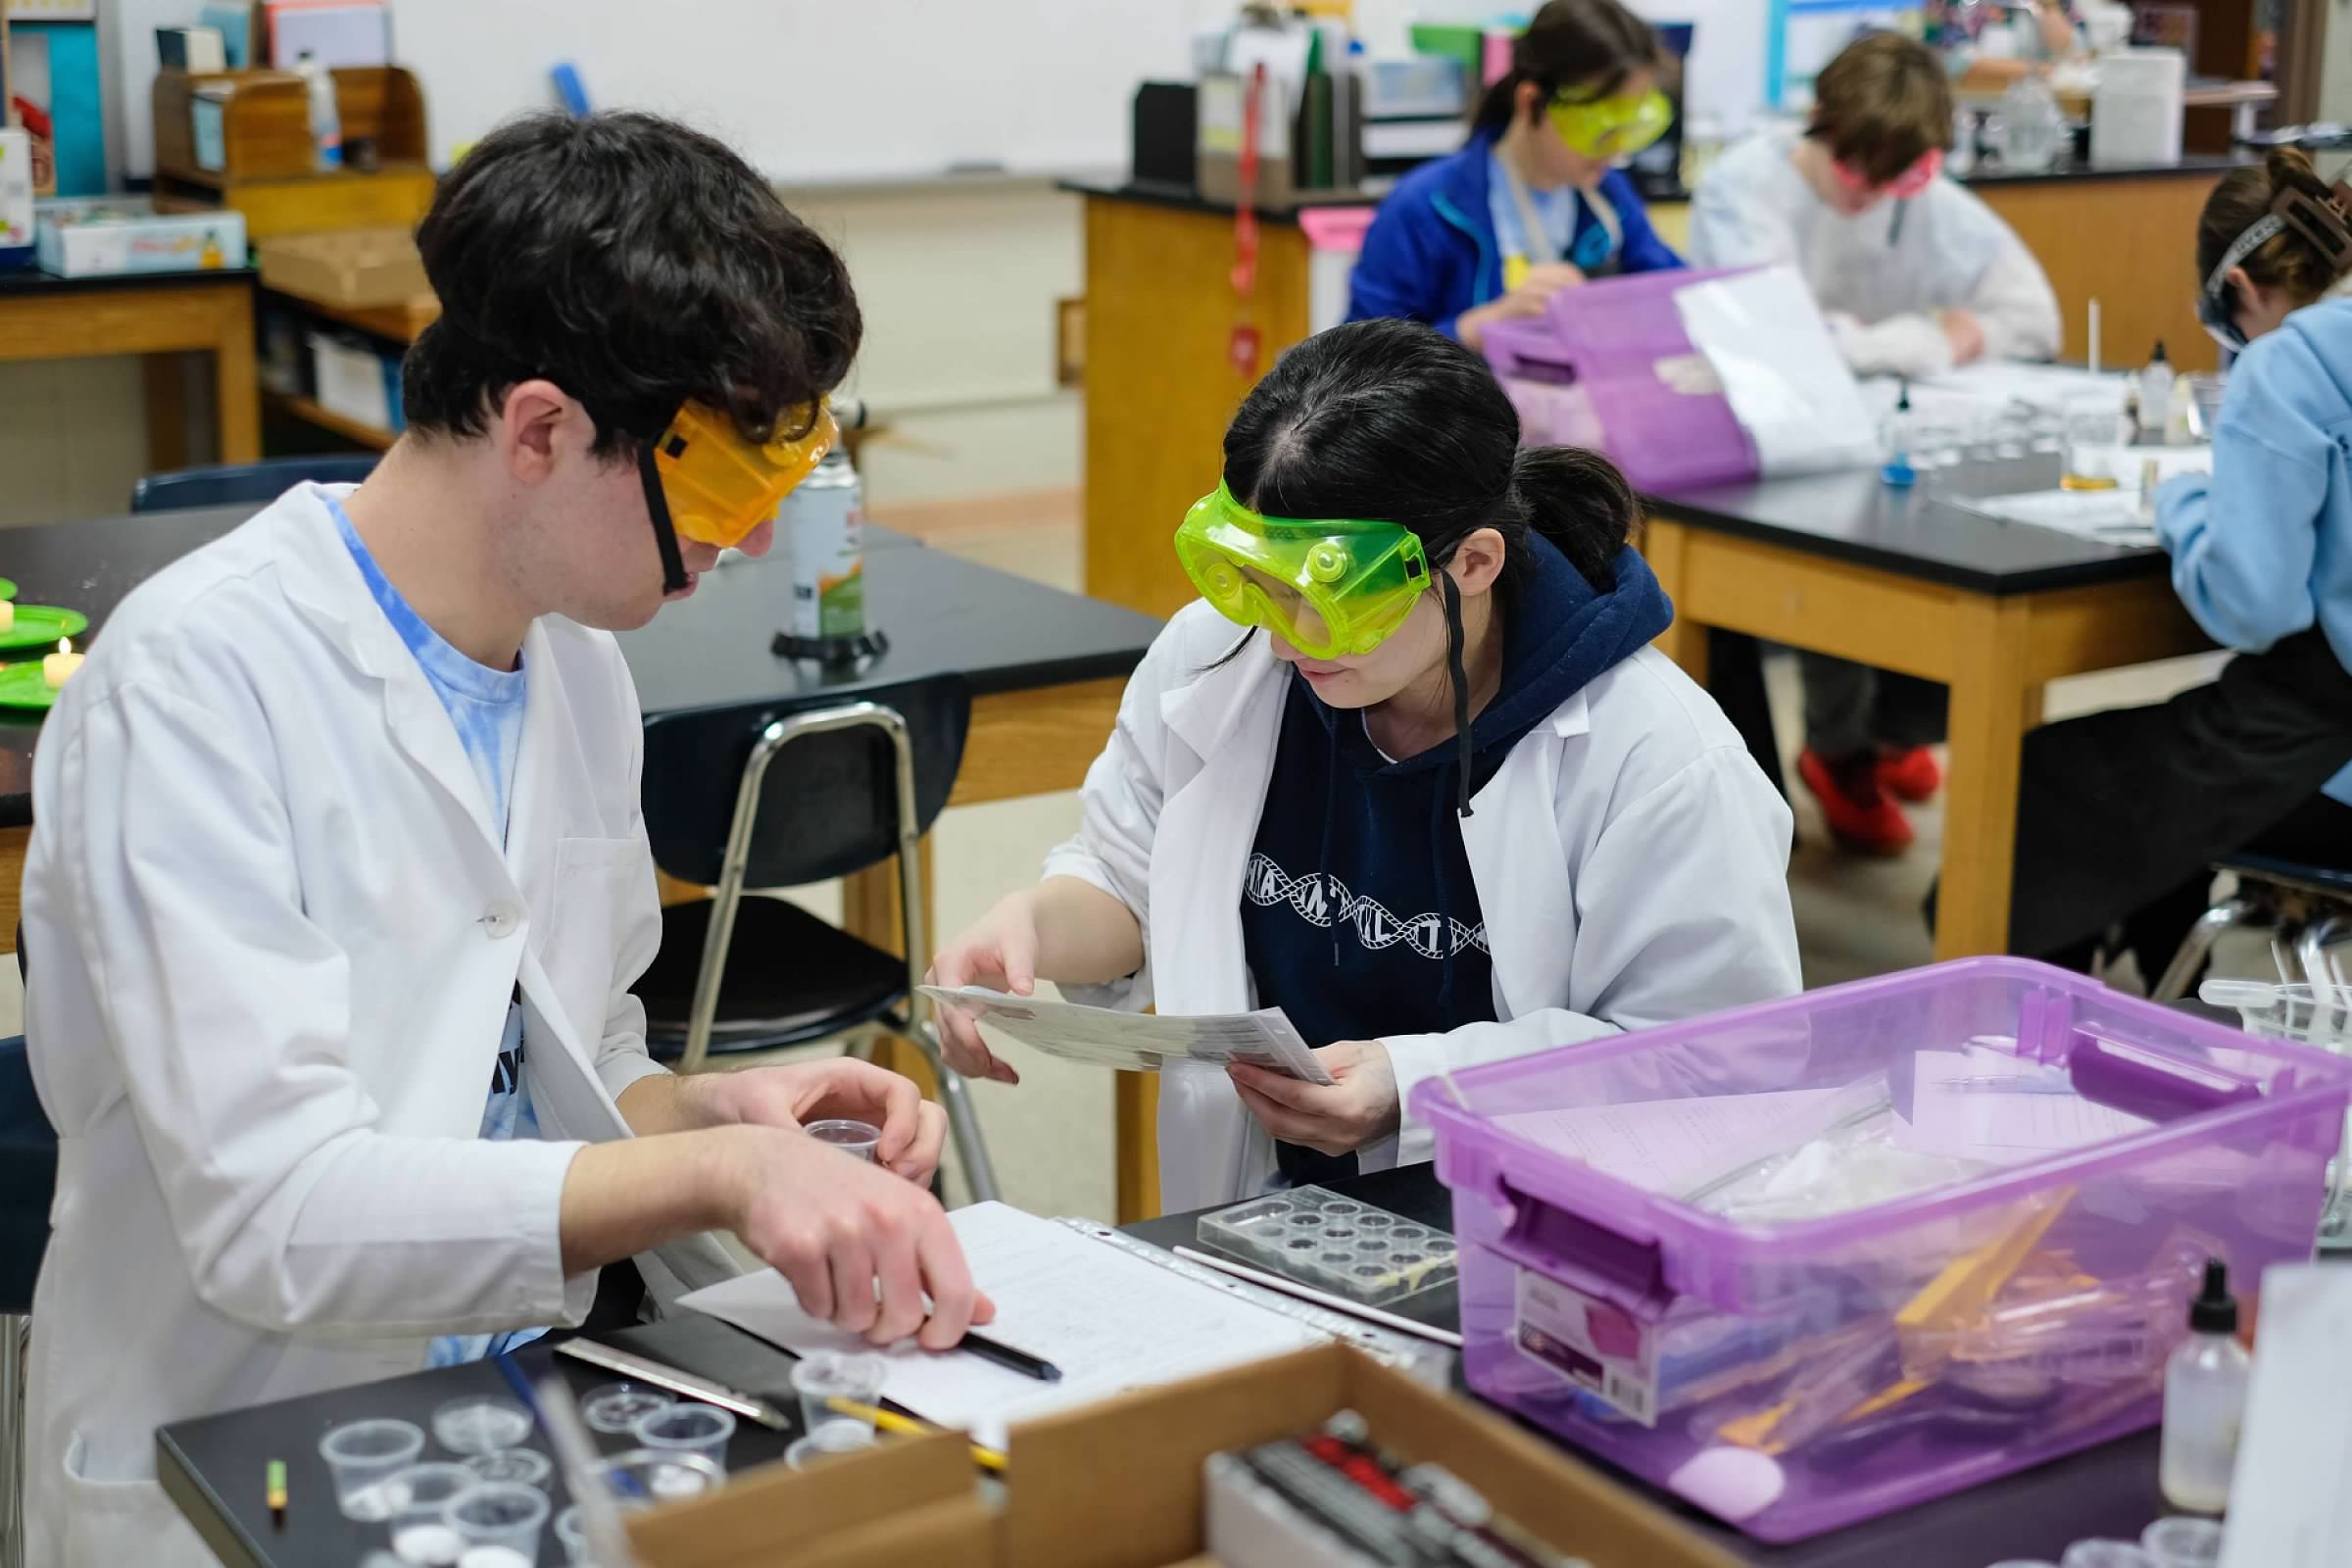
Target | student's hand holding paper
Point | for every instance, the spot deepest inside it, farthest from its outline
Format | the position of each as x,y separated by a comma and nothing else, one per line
1358,1108
1000,953
1528,299
861,1248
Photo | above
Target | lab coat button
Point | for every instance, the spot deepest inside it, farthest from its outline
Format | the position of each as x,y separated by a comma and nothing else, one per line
501,919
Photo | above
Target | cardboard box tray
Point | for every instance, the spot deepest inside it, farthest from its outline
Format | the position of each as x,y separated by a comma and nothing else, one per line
1118,1484
361,268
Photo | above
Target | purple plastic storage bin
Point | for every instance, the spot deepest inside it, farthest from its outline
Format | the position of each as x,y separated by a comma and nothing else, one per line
1584,373
1812,1262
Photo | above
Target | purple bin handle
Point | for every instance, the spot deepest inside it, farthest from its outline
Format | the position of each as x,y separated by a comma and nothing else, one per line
2156,1084
1584,1254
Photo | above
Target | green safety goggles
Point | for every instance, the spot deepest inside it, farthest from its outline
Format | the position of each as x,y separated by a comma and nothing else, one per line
1329,589
1611,127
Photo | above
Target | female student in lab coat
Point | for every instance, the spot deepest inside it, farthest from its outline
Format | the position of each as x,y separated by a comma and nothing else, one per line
1536,202
2120,813
338,882
1915,276
1439,800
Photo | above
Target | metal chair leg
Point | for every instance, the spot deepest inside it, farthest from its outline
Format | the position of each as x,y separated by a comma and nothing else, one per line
16,1340
2312,948
2196,946
963,1120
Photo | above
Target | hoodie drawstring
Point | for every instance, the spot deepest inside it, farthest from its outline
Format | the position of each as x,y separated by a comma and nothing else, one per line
1331,813
1452,599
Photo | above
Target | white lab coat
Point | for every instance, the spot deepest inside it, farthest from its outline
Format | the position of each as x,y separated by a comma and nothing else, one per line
1881,277
1631,864
272,938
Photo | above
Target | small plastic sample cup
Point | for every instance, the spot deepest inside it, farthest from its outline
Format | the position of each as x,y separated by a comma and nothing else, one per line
859,1138
419,1500
362,1456
528,1466
646,1478
615,1407
2105,1554
2183,1542
841,1435
829,1375
700,1428
571,1535
481,1423
500,1515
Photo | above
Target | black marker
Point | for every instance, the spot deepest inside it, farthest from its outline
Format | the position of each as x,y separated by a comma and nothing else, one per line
1005,1355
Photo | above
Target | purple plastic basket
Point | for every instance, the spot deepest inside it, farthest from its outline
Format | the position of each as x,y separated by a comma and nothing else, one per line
1801,1374
1606,340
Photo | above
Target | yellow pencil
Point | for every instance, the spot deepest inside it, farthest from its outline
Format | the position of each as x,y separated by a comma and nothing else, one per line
907,1426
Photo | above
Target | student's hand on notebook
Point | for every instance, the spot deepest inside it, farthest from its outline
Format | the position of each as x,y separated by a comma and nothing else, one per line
1359,1107
861,1249
913,1130
1966,334
999,951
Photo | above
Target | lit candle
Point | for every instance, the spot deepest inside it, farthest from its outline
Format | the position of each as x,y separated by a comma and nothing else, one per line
58,667
7,615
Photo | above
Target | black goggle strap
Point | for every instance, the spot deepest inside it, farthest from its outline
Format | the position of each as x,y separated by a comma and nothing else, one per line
1452,598
665,533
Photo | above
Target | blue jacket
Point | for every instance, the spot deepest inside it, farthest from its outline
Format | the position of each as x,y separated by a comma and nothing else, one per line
1431,253
2261,547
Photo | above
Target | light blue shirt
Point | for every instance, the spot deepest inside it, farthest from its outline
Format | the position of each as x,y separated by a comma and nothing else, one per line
486,706
2261,547
1555,210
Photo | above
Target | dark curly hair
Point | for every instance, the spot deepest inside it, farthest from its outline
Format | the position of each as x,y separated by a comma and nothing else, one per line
638,266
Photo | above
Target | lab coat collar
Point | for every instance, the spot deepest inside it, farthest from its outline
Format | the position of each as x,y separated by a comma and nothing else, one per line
325,583
1205,711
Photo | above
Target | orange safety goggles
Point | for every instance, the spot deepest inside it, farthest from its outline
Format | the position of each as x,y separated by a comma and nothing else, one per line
704,481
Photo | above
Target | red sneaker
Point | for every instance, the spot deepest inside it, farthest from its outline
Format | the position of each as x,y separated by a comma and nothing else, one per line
1860,816
1913,775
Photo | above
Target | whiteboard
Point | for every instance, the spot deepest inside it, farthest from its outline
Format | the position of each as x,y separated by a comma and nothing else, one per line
812,91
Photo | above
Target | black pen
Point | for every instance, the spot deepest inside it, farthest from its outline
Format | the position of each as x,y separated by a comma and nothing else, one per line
1005,1355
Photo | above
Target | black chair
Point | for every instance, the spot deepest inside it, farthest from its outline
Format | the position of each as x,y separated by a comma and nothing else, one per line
781,793
230,484
27,1180
2306,908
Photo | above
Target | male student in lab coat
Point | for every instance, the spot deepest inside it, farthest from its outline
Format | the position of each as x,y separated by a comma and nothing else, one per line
1915,276
338,881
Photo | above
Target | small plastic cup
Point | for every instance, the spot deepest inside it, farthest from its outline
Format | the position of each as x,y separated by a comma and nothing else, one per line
2105,1554
859,1138
615,1407
481,1423
646,1478
2183,1542
571,1535
362,1456
499,1515
528,1466
839,1436
829,1375
699,1429
419,1500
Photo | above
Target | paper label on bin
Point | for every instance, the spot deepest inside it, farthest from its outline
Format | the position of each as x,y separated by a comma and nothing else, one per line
1592,1344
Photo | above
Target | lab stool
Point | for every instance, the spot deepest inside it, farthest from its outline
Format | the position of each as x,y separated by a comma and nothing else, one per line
2306,908
784,793
27,1180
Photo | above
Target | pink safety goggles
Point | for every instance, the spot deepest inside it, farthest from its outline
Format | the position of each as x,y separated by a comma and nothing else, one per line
1910,183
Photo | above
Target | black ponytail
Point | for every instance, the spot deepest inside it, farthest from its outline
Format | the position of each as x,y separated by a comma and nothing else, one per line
1581,503
1591,46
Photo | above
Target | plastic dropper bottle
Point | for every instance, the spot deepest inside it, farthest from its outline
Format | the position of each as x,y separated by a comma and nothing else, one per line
2155,397
2204,1401
1895,443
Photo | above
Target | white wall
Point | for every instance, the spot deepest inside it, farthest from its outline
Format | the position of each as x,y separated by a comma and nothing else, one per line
958,288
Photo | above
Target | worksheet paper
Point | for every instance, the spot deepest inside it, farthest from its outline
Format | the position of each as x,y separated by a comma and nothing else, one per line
2008,1115
1139,1042
1111,1320
2288,1504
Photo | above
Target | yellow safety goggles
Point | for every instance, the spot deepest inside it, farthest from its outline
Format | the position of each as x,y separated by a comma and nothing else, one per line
1329,589
704,481
1611,127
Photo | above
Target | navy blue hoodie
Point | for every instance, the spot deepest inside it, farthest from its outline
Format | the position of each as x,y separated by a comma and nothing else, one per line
1359,914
